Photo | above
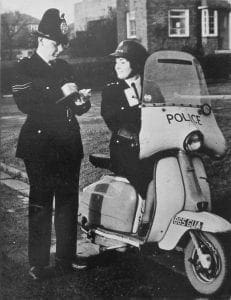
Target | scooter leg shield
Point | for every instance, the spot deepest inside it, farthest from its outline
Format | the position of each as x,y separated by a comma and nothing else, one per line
186,220
168,196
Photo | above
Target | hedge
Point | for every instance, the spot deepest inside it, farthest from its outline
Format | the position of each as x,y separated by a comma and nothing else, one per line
7,70
94,73
90,73
216,66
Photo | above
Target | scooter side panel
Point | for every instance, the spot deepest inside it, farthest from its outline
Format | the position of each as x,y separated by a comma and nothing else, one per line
109,203
187,220
194,197
202,179
169,196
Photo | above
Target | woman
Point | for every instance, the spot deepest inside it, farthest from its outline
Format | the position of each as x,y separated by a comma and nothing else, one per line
121,111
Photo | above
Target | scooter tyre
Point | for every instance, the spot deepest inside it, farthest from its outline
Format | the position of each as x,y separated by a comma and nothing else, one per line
221,262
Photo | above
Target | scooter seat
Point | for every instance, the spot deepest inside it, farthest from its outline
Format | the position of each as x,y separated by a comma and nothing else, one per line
100,160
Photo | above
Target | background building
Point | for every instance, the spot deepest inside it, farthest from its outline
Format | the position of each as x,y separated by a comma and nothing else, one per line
90,10
199,25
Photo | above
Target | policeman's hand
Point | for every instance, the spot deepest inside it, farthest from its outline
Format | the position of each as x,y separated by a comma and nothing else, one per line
82,103
81,107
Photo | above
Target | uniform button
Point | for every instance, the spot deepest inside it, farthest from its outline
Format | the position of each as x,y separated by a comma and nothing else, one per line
122,108
39,131
47,87
117,141
69,120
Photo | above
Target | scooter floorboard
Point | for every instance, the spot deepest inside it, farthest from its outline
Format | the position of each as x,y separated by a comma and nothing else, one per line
125,238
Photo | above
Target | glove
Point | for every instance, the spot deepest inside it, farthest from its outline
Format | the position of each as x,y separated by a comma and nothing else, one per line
128,136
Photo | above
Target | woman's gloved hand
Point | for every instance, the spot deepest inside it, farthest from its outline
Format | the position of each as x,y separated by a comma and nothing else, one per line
128,136
85,94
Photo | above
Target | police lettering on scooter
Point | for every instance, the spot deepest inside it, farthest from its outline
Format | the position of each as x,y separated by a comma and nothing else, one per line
182,117
174,131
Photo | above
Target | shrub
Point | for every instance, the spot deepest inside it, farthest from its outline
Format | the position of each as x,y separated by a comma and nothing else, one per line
93,74
7,69
216,66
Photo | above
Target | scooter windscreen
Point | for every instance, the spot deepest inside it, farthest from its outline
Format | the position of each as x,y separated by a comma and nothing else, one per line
176,107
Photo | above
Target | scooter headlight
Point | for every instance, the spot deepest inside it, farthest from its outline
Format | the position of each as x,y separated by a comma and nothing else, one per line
194,141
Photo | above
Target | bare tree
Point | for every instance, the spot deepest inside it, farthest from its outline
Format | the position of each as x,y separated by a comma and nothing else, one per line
11,24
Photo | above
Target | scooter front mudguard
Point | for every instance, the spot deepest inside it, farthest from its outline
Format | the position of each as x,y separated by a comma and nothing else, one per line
187,220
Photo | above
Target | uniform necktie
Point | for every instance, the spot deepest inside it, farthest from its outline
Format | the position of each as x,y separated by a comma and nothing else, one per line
133,85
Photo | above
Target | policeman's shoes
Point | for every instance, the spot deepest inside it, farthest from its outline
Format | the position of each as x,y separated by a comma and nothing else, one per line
40,273
70,266
78,266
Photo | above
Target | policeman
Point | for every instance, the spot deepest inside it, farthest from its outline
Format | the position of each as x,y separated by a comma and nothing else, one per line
50,145
121,111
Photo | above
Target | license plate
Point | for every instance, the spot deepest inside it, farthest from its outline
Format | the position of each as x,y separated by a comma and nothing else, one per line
194,224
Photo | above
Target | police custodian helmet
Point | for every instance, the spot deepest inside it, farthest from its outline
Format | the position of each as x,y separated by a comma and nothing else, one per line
53,26
134,52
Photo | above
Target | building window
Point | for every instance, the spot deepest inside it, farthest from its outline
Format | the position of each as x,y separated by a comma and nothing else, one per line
131,24
178,22
32,27
209,21
14,28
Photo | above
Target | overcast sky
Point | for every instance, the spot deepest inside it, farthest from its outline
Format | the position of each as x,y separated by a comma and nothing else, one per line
36,8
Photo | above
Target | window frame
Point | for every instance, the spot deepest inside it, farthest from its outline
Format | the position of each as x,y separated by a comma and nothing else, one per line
185,17
131,17
33,27
205,24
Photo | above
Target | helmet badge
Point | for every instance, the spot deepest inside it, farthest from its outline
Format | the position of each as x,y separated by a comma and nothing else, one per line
63,25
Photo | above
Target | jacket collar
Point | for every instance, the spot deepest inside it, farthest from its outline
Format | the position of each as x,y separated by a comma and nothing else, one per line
40,63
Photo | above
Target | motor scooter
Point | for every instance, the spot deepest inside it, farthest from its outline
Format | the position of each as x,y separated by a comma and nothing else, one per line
178,128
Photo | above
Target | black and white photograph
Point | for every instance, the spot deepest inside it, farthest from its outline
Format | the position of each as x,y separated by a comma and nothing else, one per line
115,138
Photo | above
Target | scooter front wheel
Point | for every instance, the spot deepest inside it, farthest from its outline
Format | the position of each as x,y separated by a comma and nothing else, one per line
211,275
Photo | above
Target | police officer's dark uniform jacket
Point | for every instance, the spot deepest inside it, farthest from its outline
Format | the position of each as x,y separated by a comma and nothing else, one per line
51,130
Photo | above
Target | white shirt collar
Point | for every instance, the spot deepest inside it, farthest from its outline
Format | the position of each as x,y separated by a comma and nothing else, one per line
43,58
136,79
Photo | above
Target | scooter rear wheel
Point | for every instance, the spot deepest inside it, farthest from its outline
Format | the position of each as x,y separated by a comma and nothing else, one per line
214,278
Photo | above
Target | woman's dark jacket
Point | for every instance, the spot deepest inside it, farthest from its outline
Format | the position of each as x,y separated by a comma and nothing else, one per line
116,111
124,122
51,131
